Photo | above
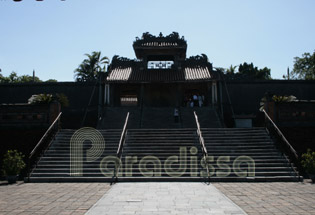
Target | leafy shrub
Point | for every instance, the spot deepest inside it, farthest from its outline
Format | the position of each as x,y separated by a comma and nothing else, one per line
48,98
308,161
13,163
276,98
40,99
62,99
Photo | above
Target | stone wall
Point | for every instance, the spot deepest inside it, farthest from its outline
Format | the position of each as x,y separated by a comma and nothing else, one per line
78,94
246,95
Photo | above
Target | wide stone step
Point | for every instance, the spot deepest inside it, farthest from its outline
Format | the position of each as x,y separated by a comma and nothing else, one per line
235,154
63,150
234,129
165,156
166,179
226,144
228,138
88,145
212,179
66,165
233,132
258,163
245,142
139,174
67,140
172,149
110,179
239,146
258,166
163,142
84,147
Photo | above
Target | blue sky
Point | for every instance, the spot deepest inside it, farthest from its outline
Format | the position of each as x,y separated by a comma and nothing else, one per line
52,36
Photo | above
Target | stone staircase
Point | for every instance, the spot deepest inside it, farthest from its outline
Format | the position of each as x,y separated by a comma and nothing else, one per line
161,155
158,117
207,116
246,146
114,117
153,154
54,165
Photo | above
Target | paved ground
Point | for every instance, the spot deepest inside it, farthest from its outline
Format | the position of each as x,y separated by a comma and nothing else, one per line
50,198
78,198
271,198
164,198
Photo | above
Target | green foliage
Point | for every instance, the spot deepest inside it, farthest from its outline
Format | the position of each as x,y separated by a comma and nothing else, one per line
248,72
308,161
279,99
28,79
13,163
40,99
51,80
304,67
62,99
196,61
276,99
90,68
48,98
14,78
251,72
231,70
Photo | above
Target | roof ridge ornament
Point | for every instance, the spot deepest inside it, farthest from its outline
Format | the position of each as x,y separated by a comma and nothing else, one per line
172,40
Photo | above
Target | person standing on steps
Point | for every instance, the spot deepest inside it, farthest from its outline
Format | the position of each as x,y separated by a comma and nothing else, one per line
176,115
195,99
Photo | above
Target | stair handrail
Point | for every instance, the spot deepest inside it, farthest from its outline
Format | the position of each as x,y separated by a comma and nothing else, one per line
53,127
122,136
281,135
202,143
292,154
120,146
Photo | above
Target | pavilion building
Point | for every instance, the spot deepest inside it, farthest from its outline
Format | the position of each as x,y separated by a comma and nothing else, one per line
161,79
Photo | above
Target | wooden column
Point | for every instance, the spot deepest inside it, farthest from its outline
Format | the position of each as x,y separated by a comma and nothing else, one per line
178,97
209,93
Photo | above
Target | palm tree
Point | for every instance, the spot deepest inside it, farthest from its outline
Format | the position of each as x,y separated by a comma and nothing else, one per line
91,67
231,70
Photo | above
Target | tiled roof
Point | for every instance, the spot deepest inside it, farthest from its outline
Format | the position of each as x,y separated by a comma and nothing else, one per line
135,74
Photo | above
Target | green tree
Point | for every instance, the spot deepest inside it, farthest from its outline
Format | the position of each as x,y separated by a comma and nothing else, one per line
90,68
14,78
252,72
51,80
4,79
231,69
27,79
304,67
248,72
